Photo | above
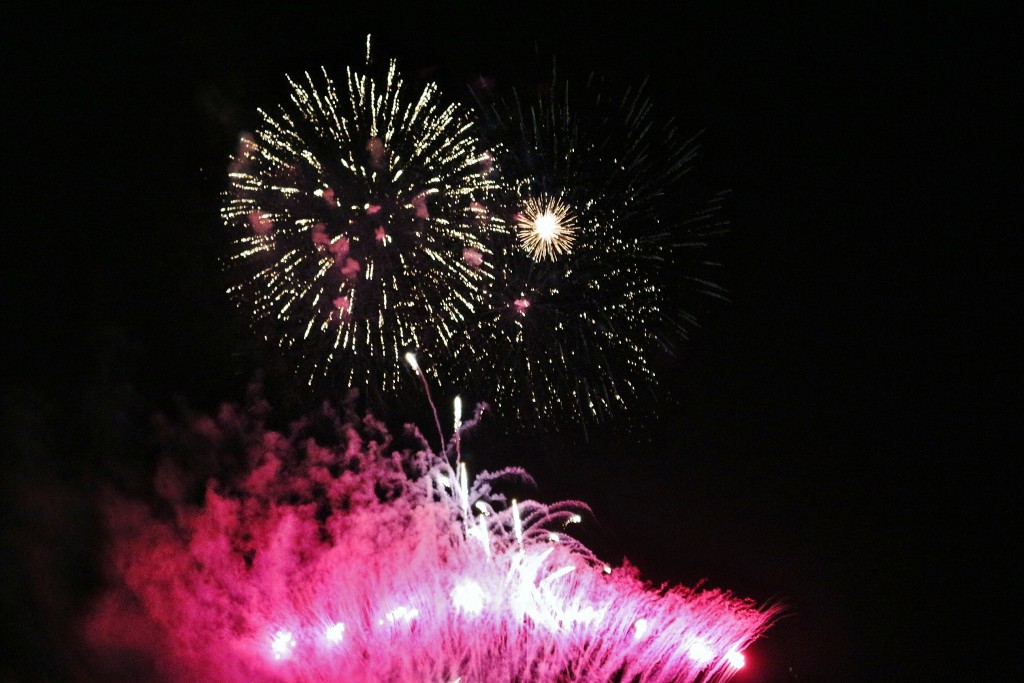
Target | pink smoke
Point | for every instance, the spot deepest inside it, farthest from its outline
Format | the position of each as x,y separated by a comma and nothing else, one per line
345,557
419,203
260,222
377,152
472,257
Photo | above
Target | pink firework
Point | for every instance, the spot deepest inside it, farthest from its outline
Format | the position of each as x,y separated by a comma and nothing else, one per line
347,558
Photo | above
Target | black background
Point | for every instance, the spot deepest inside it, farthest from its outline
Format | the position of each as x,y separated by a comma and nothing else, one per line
835,439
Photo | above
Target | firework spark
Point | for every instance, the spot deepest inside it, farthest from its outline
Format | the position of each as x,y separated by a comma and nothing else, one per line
584,296
359,230
342,557
545,228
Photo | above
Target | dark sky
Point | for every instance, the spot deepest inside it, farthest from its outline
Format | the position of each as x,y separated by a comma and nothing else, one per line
837,436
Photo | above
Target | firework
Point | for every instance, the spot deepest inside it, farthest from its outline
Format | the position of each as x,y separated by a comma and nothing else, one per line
359,233
588,294
336,555
545,228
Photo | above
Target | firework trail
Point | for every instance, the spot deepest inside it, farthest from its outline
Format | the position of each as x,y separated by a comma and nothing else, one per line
358,223
587,271
342,553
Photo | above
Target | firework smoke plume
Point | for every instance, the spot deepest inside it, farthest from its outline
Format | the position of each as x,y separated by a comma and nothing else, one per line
338,552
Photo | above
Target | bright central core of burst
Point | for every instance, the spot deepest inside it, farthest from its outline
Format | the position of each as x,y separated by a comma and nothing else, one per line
546,228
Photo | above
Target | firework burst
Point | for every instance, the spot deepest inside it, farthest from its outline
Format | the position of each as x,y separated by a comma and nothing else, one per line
337,555
359,229
546,228
587,295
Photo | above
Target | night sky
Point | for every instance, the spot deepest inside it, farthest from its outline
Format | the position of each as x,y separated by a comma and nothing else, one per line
832,439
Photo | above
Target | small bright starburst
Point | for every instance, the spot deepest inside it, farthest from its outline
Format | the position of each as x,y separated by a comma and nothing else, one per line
546,228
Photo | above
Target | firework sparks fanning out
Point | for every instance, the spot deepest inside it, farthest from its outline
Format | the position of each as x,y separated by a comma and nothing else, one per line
342,557
582,300
545,228
523,252
359,230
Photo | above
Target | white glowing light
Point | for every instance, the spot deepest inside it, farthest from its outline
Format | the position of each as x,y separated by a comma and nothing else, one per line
464,490
480,533
736,659
700,652
282,644
458,412
557,574
546,228
468,596
335,632
517,523
403,614
410,358
640,627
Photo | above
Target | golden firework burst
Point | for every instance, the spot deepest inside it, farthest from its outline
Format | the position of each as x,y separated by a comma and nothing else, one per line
546,227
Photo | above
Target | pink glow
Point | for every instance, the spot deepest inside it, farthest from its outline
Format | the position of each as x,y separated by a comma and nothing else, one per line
319,235
375,148
260,222
351,268
373,209
419,202
380,235
342,305
339,248
521,305
472,257
351,561
328,196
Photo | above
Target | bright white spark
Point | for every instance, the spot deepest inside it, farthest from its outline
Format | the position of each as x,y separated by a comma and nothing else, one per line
640,627
410,358
468,596
546,228
282,644
700,652
736,659
405,614
335,632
